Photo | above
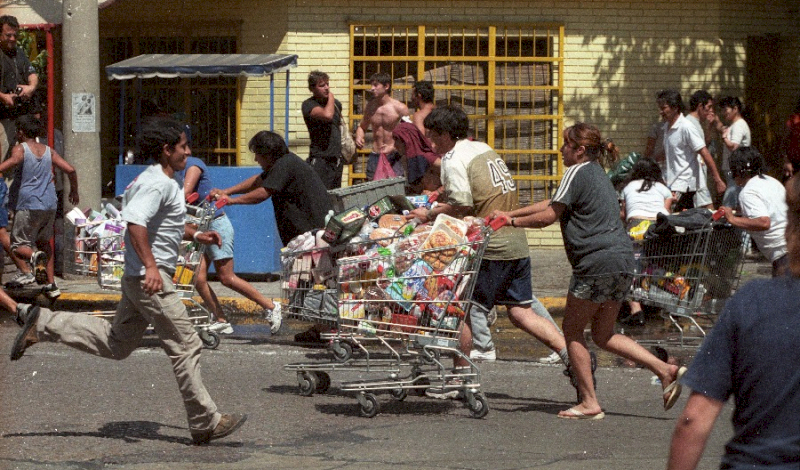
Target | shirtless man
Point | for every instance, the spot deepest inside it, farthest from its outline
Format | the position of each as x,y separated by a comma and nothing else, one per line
382,113
423,102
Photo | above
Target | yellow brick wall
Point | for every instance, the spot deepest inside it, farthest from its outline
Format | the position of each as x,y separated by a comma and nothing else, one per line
618,54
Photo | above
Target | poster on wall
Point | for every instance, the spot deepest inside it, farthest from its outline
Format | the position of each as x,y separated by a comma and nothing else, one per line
84,112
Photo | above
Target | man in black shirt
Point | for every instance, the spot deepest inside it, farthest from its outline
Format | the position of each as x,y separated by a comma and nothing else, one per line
323,114
298,195
18,81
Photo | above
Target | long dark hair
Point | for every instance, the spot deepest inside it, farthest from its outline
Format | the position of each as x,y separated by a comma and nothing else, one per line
648,171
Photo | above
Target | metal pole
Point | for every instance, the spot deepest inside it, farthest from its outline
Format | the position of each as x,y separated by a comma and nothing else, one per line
272,102
81,48
286,111
121,122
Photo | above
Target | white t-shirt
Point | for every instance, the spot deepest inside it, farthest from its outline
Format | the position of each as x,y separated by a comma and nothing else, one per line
766,196
644,204
682,142
702,183
155,201
738,133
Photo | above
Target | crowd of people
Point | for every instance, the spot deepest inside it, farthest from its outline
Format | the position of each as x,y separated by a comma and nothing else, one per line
433,149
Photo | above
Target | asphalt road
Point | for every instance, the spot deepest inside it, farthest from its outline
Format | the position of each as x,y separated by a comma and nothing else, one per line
63,409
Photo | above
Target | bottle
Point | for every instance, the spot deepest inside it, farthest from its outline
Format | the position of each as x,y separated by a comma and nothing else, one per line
112,211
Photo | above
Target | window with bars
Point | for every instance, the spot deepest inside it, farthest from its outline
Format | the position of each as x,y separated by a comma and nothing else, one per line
207,105
508,79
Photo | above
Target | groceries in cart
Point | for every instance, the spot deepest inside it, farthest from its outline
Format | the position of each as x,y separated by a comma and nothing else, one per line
375,272
97,231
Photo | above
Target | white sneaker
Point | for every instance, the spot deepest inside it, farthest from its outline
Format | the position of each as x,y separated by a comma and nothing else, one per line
221,327
20,280
275,318
446,391
480,356
553,358
491,317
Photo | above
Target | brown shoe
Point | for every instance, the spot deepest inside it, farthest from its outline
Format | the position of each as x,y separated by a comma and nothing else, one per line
227,425
27,335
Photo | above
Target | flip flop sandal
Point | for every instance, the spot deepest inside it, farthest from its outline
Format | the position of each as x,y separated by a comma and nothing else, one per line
673,390
575,414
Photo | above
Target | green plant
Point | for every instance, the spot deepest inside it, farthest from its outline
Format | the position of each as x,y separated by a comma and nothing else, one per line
27,41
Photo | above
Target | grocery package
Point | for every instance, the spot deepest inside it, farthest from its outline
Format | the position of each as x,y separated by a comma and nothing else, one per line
95,232
343,226
392,275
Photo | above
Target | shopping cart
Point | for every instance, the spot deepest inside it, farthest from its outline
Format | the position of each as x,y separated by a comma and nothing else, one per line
690,275
311,294
410,302
111,266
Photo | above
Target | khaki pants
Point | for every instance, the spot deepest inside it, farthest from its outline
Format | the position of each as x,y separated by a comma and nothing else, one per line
117,339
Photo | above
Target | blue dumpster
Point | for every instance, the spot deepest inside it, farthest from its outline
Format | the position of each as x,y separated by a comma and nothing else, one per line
257,244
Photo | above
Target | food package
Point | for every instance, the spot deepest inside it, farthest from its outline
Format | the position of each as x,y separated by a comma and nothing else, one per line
458,227
392,221
418,201
382,236
406,252
441,247
446,303
434,285
402,293
352,308
400,319
344,226
445,323
381,207
183,276
416,276
374,299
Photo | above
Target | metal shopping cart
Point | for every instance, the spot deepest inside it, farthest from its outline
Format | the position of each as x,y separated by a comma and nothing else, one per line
401,307
111,259
690,275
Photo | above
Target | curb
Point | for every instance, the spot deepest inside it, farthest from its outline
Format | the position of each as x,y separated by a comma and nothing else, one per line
241,305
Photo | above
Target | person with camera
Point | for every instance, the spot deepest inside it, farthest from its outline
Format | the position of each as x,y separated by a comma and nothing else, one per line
18,81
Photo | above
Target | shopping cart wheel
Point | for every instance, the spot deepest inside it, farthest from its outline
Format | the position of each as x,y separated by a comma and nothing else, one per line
369,405
341,351
210,338
307,382
430,356
422,382
480,407
399,394
323,382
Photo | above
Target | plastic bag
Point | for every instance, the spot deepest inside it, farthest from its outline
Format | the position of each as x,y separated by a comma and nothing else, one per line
384,169
622,169
348,144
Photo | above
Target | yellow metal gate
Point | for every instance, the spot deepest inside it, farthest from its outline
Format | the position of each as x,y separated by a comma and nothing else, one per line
508,78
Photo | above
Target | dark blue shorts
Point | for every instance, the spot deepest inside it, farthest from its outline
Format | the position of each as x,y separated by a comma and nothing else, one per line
504,282
3,203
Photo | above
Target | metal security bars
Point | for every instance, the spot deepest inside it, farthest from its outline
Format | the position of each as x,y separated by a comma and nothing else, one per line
208,105
509,79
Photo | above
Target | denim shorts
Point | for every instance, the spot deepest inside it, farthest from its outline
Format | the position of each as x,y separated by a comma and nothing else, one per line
600,289
504,282
3,203
223,226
